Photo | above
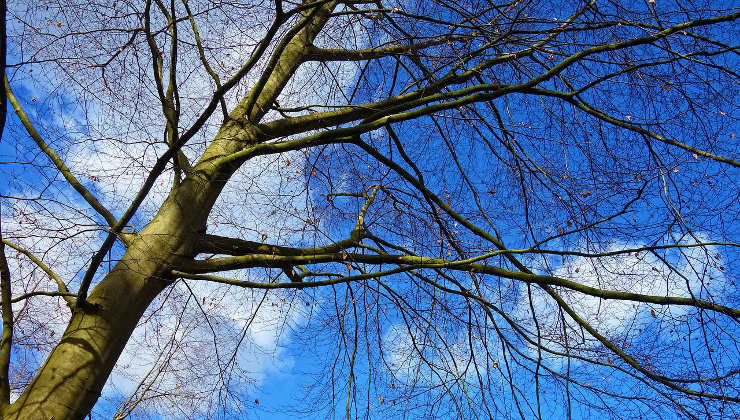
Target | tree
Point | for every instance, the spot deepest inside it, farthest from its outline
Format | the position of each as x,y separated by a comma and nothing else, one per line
458,209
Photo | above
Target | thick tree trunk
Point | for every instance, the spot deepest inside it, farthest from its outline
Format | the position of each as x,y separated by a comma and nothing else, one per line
70,382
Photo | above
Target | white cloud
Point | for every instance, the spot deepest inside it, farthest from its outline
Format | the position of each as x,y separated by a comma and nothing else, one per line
421,356
185,354
622,320
111,144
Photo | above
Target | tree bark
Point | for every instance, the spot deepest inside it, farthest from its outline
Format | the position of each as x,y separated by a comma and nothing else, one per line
72,378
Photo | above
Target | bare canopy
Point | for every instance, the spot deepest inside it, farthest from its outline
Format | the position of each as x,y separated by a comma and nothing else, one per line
417,209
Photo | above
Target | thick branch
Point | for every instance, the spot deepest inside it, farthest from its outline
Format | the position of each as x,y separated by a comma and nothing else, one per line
76,184
214,244
290,53
63,291
340,54
414,262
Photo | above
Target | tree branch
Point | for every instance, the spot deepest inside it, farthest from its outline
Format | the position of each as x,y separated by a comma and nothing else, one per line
417,262
580,104
624,356
63,291
339,54
63,169
214,244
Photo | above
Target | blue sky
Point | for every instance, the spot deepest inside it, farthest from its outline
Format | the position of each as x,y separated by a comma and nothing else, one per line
599,166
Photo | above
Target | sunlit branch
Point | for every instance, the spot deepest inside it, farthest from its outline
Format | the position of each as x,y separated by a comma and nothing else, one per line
339,54
418,262
290,52
558,68
247,153
63,291
360,223
426,106
56,160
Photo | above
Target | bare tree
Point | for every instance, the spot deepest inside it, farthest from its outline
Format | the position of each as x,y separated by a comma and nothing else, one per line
466,209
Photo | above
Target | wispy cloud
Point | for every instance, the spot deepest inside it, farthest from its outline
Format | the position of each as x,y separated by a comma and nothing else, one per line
683,272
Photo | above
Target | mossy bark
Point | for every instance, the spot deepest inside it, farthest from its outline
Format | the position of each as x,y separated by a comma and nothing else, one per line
72,378
70,381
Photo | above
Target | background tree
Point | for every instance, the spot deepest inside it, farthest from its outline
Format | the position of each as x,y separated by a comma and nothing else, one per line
446,209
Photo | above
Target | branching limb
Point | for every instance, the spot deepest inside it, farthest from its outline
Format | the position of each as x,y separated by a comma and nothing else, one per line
64,295
56,160
204,60
170,99
61,287
176,146
214,244
359,225
624,356
580,104
417,262
339,54
288,55
397,108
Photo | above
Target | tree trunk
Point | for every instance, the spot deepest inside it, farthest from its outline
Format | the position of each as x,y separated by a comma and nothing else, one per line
71,379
